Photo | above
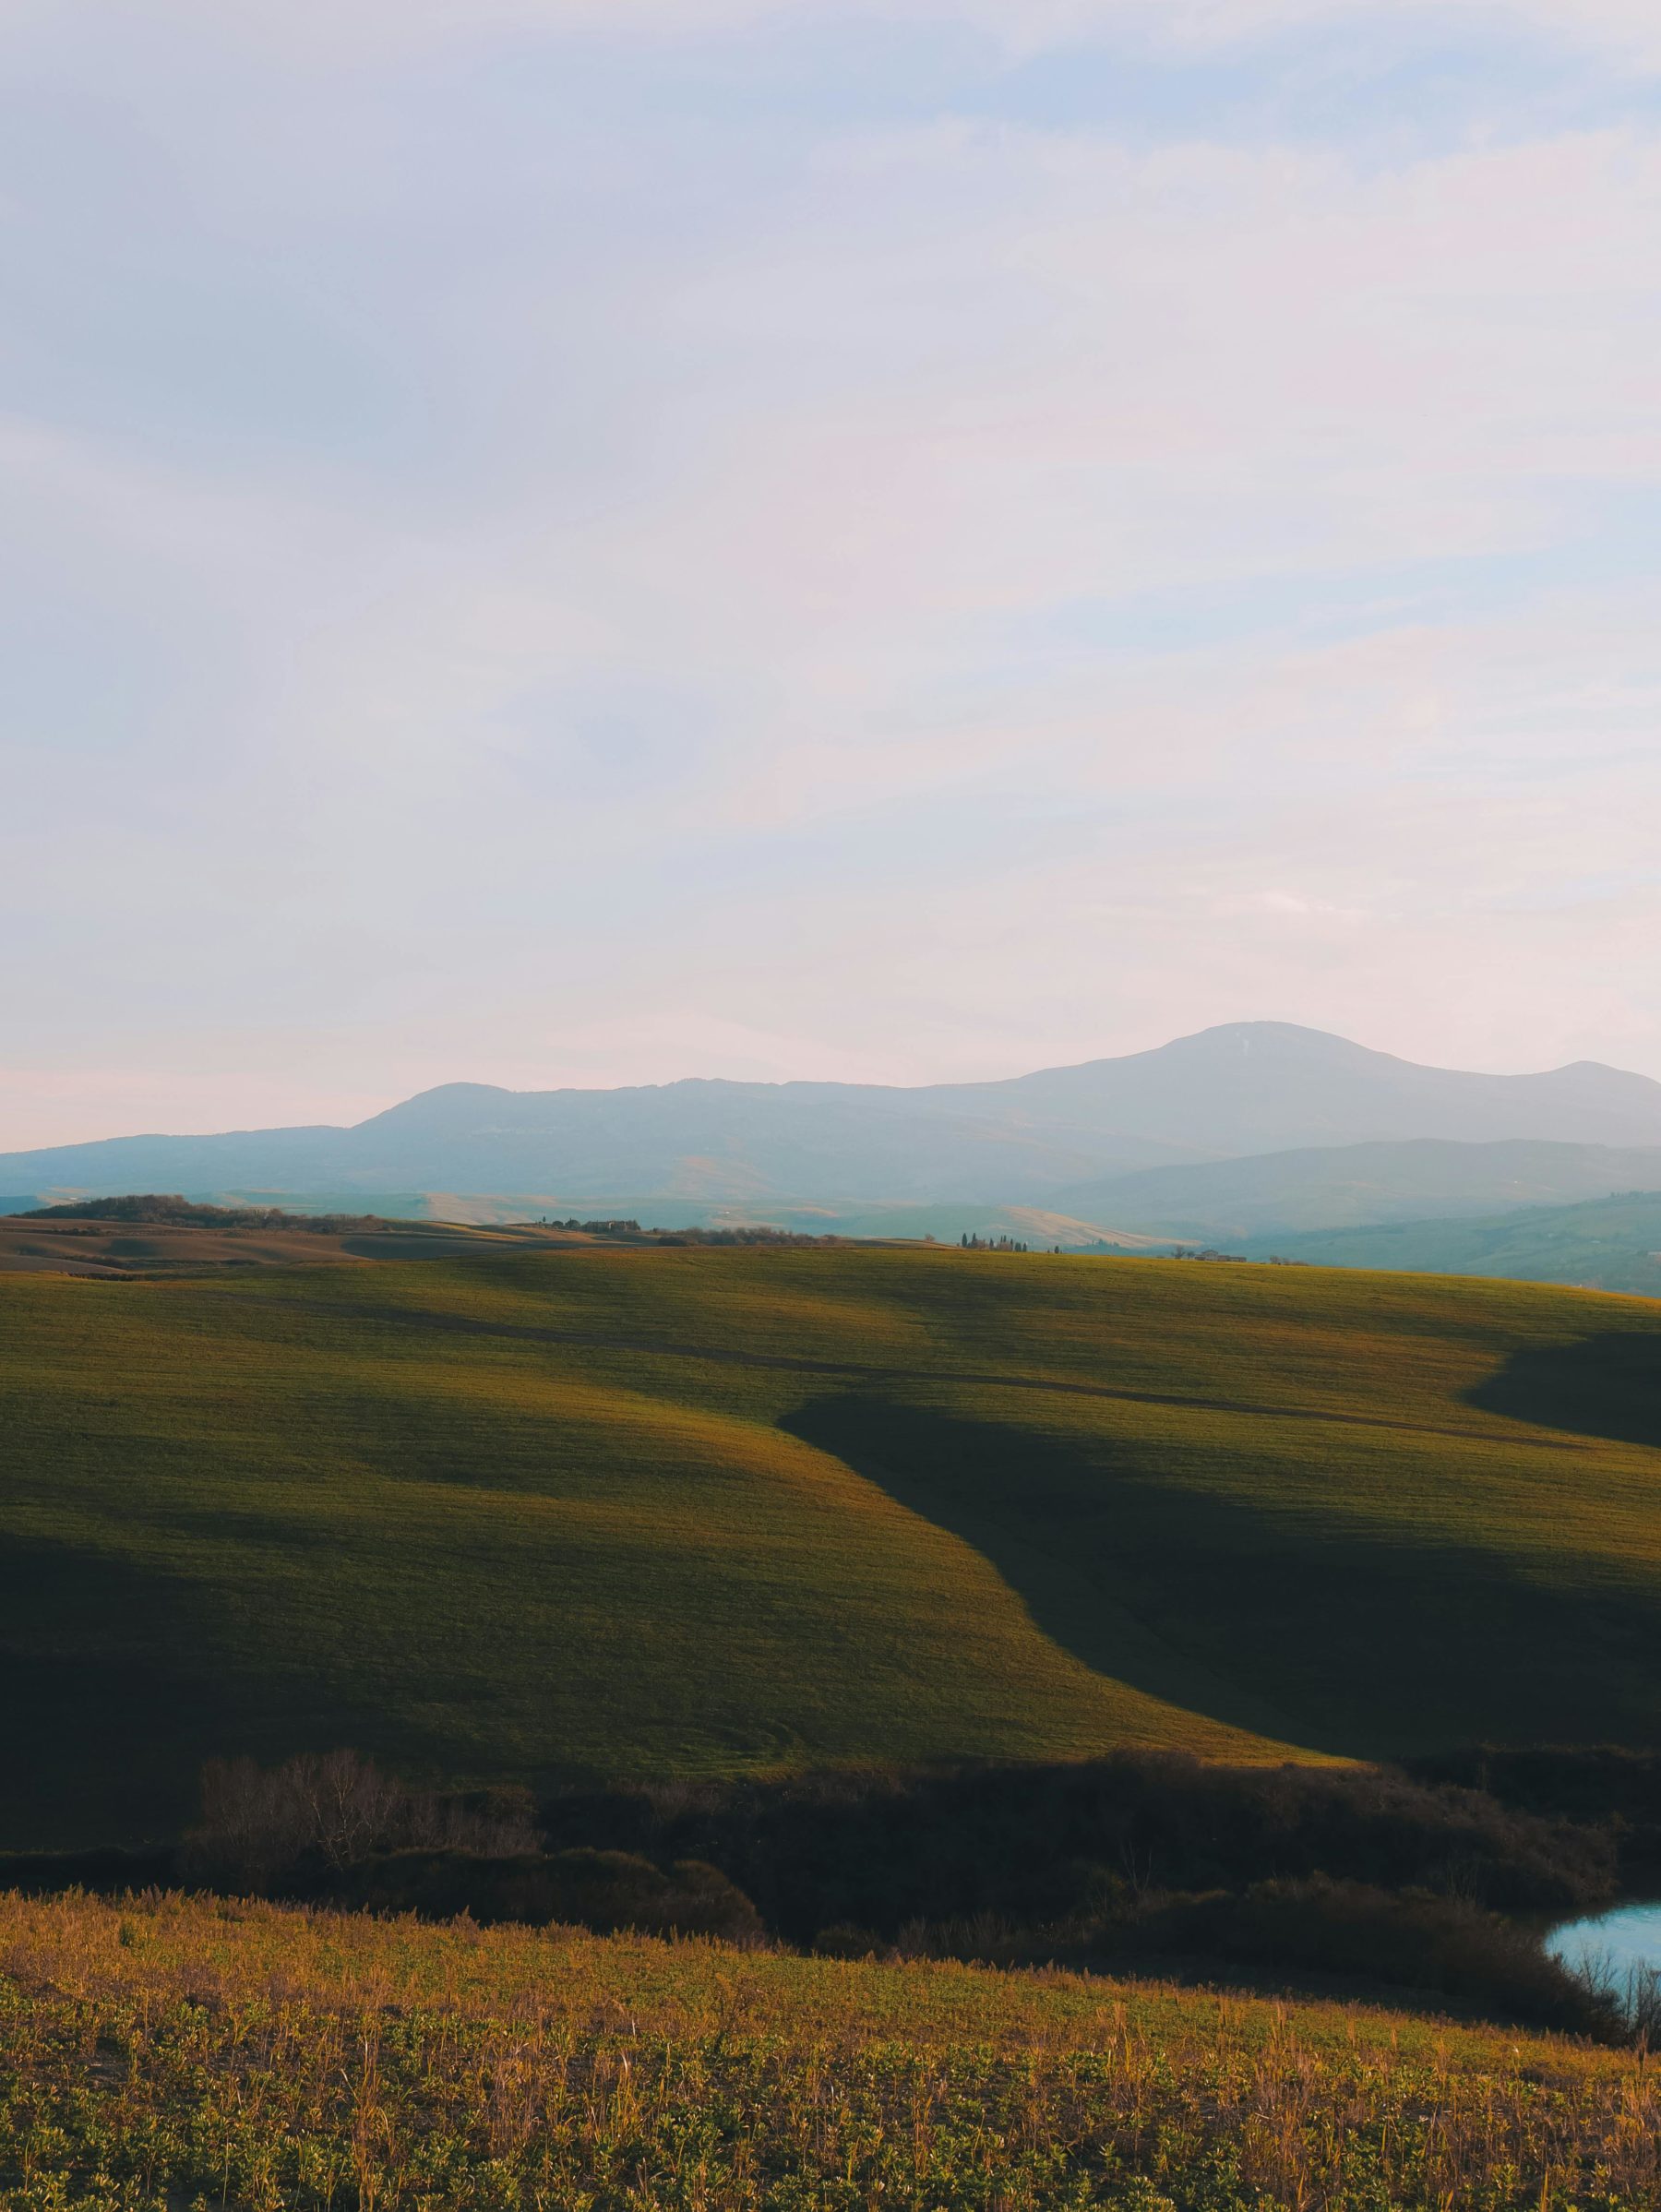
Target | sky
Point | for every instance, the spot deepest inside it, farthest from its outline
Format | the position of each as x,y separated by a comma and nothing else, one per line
555,541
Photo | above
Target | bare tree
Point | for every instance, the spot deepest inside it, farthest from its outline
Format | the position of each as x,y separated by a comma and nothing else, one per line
340,1809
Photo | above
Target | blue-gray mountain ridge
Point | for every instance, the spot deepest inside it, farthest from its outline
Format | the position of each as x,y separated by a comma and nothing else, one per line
1234,1131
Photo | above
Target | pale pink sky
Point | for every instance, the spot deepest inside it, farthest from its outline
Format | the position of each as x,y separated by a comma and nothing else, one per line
546,543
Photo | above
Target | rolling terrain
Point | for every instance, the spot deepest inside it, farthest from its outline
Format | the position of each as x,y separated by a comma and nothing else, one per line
1358,1186
634,1510
1610,1243
119,1250
97,1246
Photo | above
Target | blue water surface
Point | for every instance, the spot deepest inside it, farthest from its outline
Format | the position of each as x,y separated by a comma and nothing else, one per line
1618,1947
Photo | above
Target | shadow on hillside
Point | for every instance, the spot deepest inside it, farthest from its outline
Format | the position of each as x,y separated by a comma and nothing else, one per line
1316,1629
117,1682
1608,1385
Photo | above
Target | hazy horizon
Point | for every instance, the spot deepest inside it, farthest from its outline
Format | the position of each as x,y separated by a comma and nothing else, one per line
466,1083
560,544
368,1108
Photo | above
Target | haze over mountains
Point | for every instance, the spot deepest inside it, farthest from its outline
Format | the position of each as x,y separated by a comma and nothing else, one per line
1237,1131
1605,1244
1347,1186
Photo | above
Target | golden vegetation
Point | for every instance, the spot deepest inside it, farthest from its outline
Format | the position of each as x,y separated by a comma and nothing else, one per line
159,2051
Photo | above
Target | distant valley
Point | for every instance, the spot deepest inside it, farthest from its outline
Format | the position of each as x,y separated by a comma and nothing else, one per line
1351,1186
1605,1244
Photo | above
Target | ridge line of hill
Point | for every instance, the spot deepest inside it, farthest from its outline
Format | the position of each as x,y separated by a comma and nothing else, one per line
785,1363
916,1507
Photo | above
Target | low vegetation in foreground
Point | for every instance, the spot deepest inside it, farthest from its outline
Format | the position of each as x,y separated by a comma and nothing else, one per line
160,2052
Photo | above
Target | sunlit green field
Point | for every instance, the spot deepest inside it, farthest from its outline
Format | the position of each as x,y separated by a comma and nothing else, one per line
162,2053
676,1511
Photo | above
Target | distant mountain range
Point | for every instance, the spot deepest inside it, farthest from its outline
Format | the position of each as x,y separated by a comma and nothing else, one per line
1249,1126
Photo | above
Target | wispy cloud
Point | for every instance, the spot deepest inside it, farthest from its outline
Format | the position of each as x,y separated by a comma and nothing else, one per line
557,543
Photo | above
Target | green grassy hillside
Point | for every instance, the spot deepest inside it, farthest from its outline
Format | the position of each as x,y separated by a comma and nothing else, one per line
169,2052
633,1510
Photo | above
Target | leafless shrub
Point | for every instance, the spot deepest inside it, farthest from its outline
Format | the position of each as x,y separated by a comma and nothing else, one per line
1632,1994
1643,2005
337,1808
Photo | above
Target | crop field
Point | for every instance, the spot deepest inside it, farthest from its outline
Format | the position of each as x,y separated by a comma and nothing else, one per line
162,2053
652,1511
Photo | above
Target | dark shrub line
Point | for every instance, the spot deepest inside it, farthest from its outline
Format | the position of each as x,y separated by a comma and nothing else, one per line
1605,1786
1359,1878
169,1210
1042,1843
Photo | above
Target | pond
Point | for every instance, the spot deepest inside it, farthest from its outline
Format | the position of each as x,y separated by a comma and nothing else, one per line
1620,1949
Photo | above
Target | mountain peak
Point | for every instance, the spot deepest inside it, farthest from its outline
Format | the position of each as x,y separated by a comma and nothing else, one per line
1281,1039
1237,1088
439,1104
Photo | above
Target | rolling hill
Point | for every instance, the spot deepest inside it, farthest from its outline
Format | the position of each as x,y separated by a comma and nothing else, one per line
121,1250
1246,1088
1611,1243
614,1511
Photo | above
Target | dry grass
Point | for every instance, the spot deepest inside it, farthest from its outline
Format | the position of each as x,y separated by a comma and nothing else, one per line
163,2051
